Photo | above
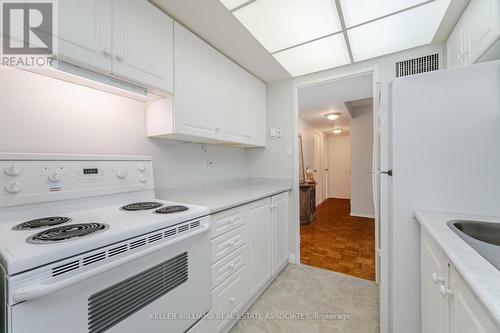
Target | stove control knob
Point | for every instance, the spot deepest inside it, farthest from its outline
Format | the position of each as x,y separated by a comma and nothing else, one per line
14,187
141,167
13,170
142,178
55,176
121,173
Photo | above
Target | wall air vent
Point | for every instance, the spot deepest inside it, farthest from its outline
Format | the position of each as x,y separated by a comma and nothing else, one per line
417,65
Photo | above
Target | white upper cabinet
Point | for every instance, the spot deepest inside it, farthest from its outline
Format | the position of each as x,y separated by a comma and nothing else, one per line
85,33
215,101
257,117
232,117
143,44
130,39
196,94
475,33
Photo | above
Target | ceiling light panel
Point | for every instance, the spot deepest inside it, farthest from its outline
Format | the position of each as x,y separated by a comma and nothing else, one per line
315,56
360,11
279,24
398,32
232,4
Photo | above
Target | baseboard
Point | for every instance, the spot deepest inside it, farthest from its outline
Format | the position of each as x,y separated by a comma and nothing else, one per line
291,259
343,198
354,214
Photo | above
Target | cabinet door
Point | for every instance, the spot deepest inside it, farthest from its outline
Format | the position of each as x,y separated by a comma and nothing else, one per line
195,98
143,44
232,118
257,122
434,272
280,231
258,245
85,33
483,26
467,314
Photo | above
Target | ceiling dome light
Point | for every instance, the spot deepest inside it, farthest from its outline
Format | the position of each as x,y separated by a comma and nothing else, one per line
337,131
333,116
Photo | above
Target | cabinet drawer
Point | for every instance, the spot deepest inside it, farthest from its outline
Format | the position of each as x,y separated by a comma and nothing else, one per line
227,266
227,243
226,221
228,298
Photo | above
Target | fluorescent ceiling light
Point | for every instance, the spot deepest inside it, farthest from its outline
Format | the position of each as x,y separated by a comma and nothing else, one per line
315,56
232,4
402,31
360,11
280,24
337,131
333,116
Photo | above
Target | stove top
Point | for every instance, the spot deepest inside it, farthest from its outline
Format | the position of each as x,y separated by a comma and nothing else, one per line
41,222
143,205
66,233
171,209
21,248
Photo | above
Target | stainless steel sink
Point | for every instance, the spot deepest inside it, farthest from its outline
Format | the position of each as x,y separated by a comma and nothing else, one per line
484,237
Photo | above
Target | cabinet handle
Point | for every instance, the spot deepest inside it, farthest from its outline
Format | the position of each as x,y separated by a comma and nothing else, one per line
119,57
106,53
437,279
445,291
231,300
232,265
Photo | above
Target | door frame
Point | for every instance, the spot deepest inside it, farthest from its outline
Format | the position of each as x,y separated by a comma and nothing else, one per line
381,225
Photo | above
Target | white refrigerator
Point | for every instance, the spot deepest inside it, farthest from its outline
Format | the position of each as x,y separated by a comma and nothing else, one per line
445,157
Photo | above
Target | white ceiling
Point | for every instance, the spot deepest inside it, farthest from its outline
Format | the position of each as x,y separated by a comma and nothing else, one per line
210,20
317,100
307,36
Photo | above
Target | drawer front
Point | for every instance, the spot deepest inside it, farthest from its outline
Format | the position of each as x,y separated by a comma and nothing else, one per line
228,298
227,243
226,221
225,267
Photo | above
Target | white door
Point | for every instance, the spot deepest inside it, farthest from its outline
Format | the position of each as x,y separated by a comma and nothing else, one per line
434,273
467,315
233,115
256,112
280,230
195,99
85,33
143,44
258,245
317,167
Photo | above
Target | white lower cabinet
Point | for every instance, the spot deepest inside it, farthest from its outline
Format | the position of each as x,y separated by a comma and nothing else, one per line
448,305
259,245
249,249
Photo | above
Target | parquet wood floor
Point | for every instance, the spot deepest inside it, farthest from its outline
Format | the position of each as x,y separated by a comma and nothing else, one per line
338,241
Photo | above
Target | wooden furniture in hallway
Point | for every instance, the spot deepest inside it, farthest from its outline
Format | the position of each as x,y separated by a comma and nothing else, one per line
307,202
339,242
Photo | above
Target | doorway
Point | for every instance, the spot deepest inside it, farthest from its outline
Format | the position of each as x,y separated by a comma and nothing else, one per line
336,123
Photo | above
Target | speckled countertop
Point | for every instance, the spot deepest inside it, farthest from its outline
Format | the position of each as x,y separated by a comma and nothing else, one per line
481,276
225,194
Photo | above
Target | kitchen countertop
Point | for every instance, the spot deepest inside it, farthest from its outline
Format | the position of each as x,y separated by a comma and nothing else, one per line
225,194
481,276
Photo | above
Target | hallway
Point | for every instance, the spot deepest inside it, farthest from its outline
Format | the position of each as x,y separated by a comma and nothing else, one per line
339,242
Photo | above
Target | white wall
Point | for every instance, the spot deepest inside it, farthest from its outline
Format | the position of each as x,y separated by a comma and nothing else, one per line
45,115
361,132
339,166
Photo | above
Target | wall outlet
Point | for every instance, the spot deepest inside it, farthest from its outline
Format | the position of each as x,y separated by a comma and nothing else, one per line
276,132
208,165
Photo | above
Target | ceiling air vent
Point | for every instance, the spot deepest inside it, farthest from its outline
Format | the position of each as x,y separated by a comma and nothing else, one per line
418,65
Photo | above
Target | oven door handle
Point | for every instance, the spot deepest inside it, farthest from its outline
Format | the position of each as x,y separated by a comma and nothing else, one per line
31,292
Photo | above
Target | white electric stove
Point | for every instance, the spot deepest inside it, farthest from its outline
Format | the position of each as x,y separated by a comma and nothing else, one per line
85,244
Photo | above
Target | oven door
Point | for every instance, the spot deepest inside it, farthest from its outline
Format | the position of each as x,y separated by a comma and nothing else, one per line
165,291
